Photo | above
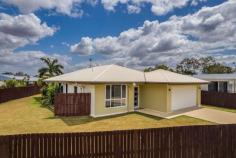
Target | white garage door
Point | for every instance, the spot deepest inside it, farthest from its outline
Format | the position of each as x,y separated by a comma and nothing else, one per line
183,97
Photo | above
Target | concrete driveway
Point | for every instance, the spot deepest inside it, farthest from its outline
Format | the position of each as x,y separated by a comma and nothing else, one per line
212,115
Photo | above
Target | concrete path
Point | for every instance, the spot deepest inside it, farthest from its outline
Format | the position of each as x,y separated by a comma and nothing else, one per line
212,115
167,115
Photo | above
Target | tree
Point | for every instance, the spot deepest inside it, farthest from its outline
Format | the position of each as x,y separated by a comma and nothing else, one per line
148,69
21,74
188,66
206,62
210,66
53,68
8,73
161,66
218,68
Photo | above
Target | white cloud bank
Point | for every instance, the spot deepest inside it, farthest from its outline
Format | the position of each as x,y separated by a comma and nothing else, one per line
18,31
158,7
28,61
73,7
210,31
65,7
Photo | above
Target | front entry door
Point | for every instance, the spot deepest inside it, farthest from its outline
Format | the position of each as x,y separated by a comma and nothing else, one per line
136,97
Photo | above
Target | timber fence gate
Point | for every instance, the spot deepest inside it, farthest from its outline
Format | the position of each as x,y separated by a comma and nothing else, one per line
72,104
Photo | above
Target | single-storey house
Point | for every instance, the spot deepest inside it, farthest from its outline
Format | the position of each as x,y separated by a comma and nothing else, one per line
115,89
219,82
30,79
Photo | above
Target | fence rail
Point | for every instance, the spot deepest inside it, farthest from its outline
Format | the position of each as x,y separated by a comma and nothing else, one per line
214,141
73,104
220,99
18,92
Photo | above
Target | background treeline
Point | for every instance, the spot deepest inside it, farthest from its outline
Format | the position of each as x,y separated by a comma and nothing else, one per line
191,66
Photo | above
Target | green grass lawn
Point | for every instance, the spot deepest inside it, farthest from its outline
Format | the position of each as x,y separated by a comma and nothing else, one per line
219,108
26,115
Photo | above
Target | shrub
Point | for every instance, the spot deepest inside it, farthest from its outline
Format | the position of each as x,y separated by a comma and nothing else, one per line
48,92
15,83
10,83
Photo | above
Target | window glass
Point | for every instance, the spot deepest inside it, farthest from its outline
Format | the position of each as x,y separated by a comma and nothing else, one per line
116,91
223,87
75,89
108,103
123,91
213,86
123,102
115,95
108,92
115,103
61,89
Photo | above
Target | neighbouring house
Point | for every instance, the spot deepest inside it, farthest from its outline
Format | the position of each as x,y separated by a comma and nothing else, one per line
115,89
30,79
219,82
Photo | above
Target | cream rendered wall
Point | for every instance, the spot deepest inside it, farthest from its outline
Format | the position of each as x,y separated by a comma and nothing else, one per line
101,110
154,96
199,88
204,87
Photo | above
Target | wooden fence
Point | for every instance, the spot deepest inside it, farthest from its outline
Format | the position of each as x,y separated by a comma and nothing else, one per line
73,104
18,92
220,99
213,141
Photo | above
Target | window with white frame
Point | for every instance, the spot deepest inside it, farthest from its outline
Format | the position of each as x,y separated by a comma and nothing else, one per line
115,95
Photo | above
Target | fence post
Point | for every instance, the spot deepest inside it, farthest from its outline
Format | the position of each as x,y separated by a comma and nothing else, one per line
135,143
4,147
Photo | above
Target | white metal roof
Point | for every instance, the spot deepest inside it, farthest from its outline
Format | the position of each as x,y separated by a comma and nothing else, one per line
31,78
105,73
216,76
115,73
164,76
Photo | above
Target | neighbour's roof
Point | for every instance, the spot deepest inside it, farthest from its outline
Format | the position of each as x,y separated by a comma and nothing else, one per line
216,76
8,77
115,73
164,76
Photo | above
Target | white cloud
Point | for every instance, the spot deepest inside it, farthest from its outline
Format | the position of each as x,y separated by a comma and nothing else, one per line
17,31
195,2
73,7
158,7
66,7
65,44
162,7
210,31
133,9
84,47
28,61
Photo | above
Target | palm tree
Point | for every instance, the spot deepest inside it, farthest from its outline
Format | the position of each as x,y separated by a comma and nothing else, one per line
53,68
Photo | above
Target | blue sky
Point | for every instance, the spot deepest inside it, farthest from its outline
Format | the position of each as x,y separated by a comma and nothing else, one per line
59,30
